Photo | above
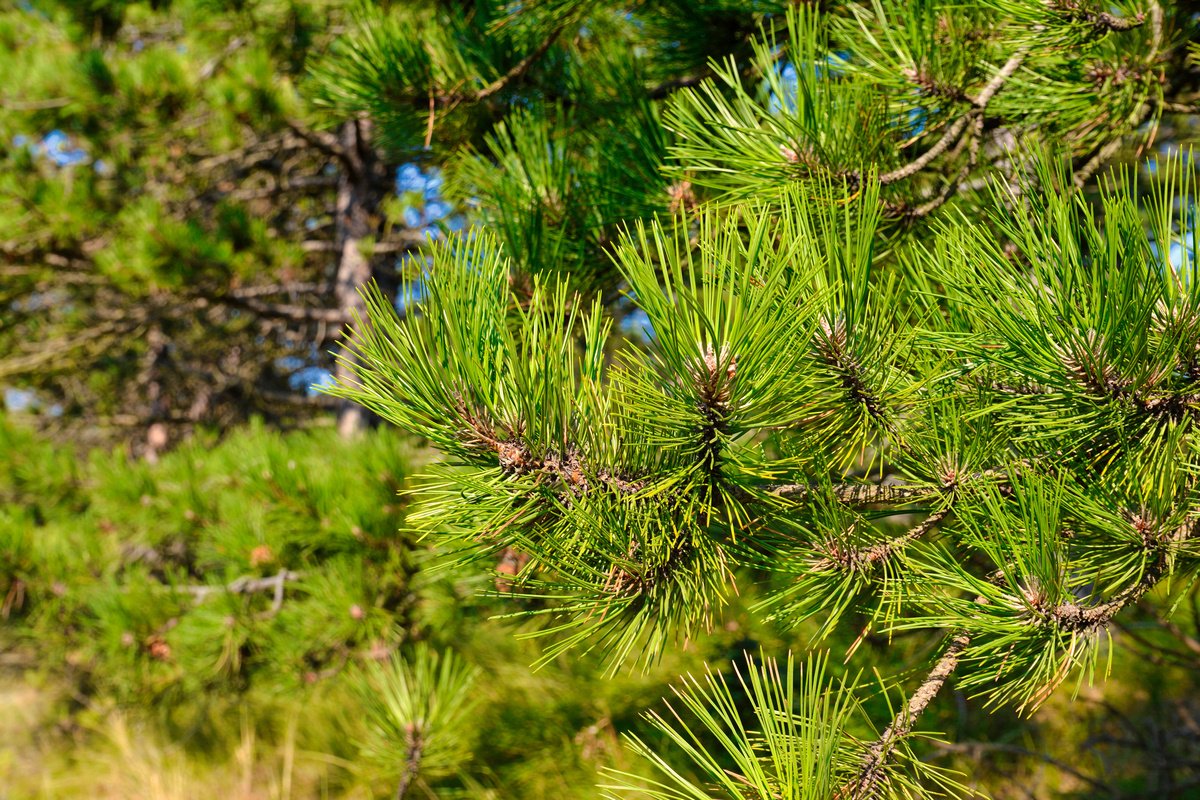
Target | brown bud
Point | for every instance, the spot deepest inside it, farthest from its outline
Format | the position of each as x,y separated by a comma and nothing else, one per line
158,648
261,554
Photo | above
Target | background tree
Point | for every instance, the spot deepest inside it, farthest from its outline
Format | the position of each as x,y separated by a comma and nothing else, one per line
184,245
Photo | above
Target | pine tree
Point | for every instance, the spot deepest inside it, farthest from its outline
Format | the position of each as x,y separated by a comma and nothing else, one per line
185,235
902,357
246,607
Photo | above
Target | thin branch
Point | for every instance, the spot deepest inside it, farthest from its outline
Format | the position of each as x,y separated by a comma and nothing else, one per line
661,90
1159,654
882,550
859,494
323,141
920,162
246,585
293,313
245,292
951,188
1188,641
212,65
520,68
1085,619
401,243
35,105
994,85
1098,159
414,749
871,772
670,85
1180,108
1074,617
1109,148
959,126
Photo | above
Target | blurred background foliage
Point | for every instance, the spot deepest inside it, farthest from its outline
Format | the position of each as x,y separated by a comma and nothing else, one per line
134,664
206,590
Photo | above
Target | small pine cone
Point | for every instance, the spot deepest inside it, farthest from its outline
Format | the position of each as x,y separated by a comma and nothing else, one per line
714,381
1084,362
682,198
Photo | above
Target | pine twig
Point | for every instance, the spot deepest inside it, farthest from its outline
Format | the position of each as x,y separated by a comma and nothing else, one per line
414,749
959,126
1102,21
247,585
519,69
882,550
858,494
865,784
976,749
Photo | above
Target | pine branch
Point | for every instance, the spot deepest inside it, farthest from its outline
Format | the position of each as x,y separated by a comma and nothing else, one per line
1102,21
959,126
952,187
866,784
414,748
1085,619
564,469
919,163
871,494
860,559
1139,115
248,585
883,550
518,69
858,494
1107,150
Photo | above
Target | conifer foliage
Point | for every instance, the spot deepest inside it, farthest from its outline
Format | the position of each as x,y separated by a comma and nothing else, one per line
747,321
892,357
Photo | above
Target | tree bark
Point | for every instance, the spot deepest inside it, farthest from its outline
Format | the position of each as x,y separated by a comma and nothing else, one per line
355,207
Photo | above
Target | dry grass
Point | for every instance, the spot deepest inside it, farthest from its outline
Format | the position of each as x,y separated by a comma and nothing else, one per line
119,758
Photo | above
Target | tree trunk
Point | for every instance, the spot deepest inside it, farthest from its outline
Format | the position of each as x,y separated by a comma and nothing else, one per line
356,202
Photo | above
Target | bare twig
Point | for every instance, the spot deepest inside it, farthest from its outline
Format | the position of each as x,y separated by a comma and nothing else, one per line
290,312
871,773
247,585
960,125
519,69
324,141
